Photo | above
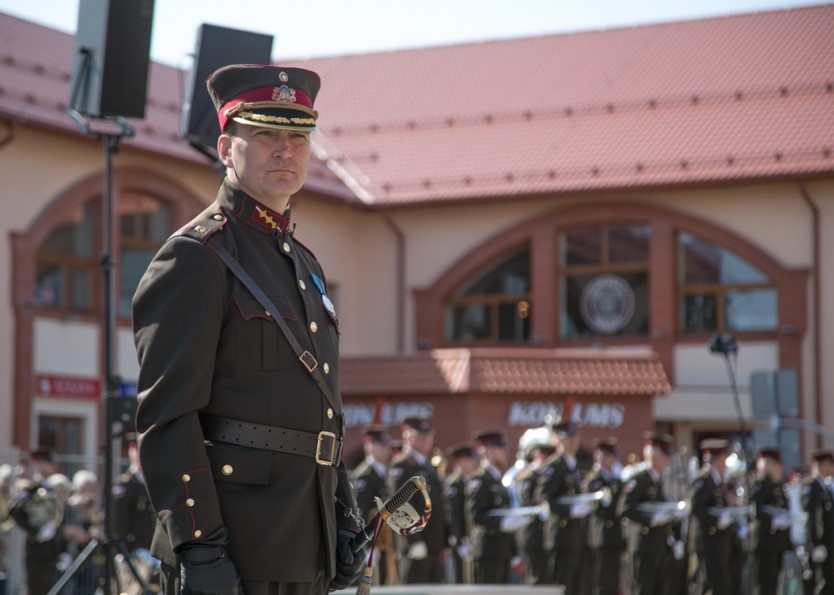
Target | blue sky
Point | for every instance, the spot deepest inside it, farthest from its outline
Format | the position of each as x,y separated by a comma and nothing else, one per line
334,27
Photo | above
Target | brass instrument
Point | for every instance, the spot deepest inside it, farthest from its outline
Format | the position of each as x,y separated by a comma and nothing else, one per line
677,510
41,507
602,496
540,510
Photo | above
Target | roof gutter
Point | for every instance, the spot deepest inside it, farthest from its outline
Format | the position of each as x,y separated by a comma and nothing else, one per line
817,309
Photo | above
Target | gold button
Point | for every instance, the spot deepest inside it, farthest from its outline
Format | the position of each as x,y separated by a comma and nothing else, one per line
285,247
227,469
301,284
313,326
198,534
329,413
189,502
186,477
326,368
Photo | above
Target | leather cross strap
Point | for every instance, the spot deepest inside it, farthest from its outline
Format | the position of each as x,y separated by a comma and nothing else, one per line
305,357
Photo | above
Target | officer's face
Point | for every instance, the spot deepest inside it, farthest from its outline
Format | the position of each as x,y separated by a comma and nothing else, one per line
266,163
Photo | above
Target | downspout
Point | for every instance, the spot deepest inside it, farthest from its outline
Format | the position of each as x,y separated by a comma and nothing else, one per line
817,310
399,238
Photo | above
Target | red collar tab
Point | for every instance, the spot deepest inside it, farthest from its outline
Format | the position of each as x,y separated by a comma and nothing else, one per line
262,218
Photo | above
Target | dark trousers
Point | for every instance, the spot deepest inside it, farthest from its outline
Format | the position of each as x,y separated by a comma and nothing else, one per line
767,573
536,567
566,569
717,573
170,583
651,572
492,571
427,570
605,571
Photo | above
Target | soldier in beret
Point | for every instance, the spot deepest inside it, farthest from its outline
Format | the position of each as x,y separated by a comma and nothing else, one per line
370,482
642,492
420,554
240,420
493,537
818,503
565,530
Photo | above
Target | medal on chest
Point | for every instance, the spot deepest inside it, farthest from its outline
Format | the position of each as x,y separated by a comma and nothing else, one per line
326,302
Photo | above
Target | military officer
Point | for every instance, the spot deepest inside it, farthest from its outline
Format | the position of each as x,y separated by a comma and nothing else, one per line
565,530
605,538
819,504
772,518
370,480
240,420
643,503
716,526
421,552
465,462
493,536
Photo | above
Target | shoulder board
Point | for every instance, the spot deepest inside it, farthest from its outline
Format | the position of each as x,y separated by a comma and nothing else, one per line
203,227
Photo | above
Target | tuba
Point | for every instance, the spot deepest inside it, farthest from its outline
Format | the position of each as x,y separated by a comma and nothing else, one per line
39,510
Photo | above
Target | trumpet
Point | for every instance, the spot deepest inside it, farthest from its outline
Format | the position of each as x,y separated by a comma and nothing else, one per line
775,511
736,513
675,510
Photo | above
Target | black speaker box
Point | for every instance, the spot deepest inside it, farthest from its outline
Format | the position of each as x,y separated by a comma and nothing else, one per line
110,66
216,47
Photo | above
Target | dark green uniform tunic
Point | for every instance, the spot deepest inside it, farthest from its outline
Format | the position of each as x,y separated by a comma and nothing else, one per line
207,348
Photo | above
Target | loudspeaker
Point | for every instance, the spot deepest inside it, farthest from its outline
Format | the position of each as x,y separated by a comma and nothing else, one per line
110,68
216,47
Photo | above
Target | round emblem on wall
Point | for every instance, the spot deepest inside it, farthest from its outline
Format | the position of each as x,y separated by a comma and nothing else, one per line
607,304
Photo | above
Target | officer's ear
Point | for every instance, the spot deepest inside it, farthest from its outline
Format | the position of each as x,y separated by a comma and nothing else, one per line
224,148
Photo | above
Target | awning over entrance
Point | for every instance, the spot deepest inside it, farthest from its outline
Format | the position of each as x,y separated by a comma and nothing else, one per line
506,370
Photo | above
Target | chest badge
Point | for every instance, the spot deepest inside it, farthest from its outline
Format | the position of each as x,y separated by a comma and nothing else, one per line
325,300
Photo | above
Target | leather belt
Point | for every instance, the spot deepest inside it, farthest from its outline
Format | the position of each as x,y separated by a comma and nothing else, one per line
324,447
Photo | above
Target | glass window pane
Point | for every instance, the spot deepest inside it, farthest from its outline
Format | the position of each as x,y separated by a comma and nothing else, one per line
605,305
514,321
751,310
508,277
73,238
80,289
143,217
628,243
702,262
582,246
133,266
469,323
700,312
49,285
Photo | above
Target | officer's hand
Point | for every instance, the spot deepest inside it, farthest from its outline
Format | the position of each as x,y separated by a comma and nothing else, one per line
208,570
725,519
781,521
661,517
348,563
512,523
418,551
580,510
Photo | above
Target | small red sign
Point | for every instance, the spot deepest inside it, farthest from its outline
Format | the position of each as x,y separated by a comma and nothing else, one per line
68,386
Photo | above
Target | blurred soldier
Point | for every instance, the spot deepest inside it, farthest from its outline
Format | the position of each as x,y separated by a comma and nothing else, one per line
565,530
605,538
420,560
493,537
716,525
133,518
39,512
465,463
370,481
819,504
643,502
536,451
772,516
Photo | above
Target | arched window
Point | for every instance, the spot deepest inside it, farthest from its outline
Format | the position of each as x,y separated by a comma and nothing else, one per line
493,305
720,291
605,280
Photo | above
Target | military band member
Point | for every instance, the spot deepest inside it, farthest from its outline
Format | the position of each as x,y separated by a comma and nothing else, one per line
133,517
421,552
240,420
605,534
493,537
464,462
716,526
565,530
819,504
772,518
641,493
531,536
370,480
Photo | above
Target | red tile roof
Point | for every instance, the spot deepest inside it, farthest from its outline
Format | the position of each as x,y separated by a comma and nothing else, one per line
738,98
733,98
506,370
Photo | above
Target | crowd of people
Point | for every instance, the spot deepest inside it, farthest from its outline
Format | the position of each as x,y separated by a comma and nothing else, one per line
656,525
536,515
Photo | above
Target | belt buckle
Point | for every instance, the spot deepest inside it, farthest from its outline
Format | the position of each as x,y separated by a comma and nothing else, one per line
333,443
308,361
